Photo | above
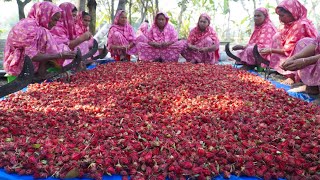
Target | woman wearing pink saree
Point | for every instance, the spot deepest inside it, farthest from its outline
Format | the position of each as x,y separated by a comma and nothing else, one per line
306,62
121,38
143,31
163,44
81,27
31,37
203,43
262,35
64,32
296,26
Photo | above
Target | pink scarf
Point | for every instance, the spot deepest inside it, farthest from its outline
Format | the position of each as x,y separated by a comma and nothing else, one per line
291,33
126,30
264,26
168,34
80,28
197,35
30,37
144,28
65,26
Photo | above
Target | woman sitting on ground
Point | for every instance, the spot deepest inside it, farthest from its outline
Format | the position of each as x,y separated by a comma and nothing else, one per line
31,37
163,44
307,64
262,35
296,26
203,43
64,32
121,38
143,31
82,22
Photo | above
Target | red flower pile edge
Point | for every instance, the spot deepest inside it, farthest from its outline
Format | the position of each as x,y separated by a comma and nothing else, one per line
154,120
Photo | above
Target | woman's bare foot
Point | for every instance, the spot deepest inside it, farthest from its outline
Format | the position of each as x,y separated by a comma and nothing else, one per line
288,81
317,101
313,90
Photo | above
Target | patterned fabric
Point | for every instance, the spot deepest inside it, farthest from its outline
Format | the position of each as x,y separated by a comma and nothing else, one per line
203,39
291,33
300,28
42,12
80,28
30,36
262,36
310,75
168,34
200,57
143,29
142,32
64,31
120,35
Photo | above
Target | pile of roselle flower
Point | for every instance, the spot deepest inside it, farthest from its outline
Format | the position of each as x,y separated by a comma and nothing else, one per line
157,120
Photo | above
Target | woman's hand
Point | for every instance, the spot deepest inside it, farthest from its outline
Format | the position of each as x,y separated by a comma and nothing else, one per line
203,50
154,44
238,47
68,55
265,51
86,36
294,64
194,48
166,44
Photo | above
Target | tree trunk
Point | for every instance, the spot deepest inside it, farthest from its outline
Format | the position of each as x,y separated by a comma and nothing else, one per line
21,6
48,0
157,6
92,5
183,7
112,10
143,8
246,9
81,5
254,4
130,6
122,5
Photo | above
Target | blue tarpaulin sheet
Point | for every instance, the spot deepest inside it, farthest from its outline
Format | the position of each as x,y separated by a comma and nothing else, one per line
305,97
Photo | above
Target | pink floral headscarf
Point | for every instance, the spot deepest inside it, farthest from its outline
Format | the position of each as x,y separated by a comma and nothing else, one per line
80,28
168,33
43,12
126,30
297,10
29,37
144,28
267,25
300,28
197,35
66,24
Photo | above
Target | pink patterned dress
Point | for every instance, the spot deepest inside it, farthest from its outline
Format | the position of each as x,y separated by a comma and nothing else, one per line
142,32
291,33
203,39
309,75
80,28
169,34
30,37
120,36
261,36
64,31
